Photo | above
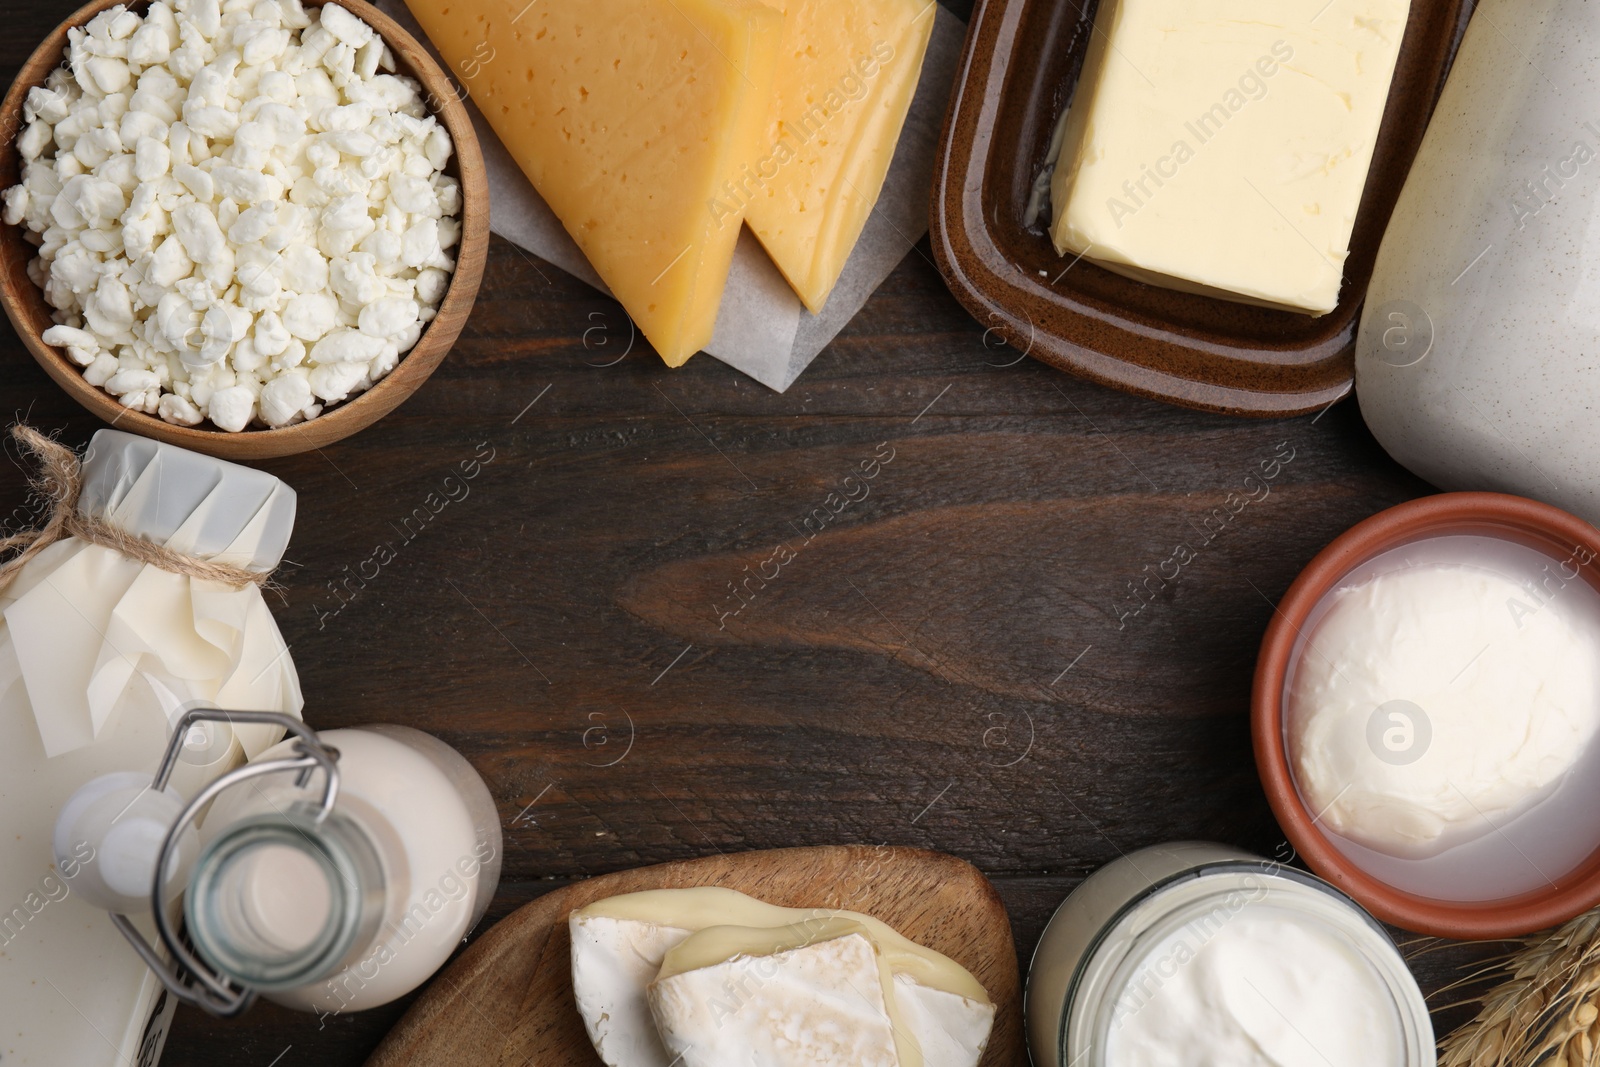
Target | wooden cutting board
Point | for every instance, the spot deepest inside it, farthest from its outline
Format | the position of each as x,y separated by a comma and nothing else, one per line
507,1002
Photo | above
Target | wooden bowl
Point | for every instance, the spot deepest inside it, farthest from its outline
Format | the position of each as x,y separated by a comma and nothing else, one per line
1545,529
30,315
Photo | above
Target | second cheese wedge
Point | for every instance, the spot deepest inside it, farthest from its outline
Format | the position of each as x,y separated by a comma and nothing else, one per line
846,76
628,116
794,996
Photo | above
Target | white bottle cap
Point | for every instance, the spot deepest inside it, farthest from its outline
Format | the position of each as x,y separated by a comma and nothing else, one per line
108,836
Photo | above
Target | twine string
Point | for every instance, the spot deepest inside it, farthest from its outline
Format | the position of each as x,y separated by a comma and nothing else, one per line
60,480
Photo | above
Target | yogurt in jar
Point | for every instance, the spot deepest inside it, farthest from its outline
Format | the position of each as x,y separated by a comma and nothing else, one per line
1264,988
1193,954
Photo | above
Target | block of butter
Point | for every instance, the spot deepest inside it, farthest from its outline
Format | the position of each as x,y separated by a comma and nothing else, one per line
621,945
1220,147
628,116
847,70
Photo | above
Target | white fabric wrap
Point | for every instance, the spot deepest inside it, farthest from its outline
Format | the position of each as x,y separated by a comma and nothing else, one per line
87,630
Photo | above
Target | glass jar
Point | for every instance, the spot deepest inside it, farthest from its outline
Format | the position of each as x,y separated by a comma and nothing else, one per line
1107,953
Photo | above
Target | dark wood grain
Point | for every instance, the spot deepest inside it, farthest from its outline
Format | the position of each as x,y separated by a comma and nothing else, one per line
900,680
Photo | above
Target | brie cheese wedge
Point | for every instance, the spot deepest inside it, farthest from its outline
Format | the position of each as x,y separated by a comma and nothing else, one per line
619,945
613,960
953,1030
795,996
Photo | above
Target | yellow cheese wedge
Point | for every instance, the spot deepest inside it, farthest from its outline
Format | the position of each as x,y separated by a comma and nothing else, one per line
846,75
628,116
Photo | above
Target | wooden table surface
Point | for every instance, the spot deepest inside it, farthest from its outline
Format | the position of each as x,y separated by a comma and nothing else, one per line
953,662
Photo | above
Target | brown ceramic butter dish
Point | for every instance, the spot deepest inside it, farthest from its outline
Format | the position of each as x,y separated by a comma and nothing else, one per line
1022,62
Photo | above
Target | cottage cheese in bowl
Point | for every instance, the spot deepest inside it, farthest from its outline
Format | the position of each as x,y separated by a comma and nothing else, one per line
241,213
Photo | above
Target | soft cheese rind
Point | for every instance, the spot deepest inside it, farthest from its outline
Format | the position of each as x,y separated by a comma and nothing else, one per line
817,1002
755,954
633,927
1221,146
701,907
613,960
953,1030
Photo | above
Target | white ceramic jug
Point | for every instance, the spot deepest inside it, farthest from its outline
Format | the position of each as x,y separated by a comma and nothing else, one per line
1478,359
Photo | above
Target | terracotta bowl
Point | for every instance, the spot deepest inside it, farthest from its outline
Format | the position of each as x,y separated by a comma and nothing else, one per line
1541,527
30,315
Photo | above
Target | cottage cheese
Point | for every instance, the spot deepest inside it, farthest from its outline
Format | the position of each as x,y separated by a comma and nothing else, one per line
240,212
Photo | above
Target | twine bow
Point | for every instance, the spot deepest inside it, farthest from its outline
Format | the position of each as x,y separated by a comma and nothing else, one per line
60,480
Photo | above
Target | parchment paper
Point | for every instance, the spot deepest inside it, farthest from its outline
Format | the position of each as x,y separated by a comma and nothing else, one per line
762,328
